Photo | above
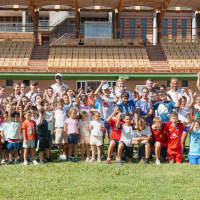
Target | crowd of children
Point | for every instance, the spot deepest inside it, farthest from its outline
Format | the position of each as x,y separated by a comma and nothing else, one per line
150,120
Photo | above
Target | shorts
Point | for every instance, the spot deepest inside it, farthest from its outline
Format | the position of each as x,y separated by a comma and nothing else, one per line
59,135
175,156
116,142
141,150
96,140
3,146
163,151
50,136
84,139
42,144
13,145
30,143
194,159
107,127
186,129
128,150
73,139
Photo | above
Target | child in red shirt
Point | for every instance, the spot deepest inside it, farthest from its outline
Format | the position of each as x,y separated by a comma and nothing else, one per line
29,135
174,129
116,133
159,135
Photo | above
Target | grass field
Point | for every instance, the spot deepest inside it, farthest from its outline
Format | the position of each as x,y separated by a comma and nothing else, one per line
63,180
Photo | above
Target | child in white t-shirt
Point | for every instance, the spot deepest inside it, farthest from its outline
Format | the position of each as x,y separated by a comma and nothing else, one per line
84,136
60,137
183,115
4,132
96,127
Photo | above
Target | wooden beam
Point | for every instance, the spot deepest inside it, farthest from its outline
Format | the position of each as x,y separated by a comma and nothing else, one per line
119,15
32,12
76,15
163,10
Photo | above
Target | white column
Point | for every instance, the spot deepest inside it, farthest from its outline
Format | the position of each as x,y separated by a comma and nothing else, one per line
194,26
110,16
155,32
23,21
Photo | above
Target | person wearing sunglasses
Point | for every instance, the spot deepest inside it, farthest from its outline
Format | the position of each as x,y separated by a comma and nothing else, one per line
57,86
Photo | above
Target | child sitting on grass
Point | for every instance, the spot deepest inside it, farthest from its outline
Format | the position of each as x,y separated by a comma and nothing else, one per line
128,133
143,137
159,134
194,150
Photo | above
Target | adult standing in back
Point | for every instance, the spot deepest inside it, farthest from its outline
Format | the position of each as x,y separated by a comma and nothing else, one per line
57,86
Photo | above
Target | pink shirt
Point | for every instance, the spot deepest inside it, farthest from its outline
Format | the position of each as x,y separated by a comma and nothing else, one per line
72,126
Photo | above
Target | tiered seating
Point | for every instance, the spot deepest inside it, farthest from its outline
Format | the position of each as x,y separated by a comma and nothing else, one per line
182,54
98,59
15,50
96,42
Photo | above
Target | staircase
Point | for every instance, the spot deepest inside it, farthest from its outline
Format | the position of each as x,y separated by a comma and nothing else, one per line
39,58
157,59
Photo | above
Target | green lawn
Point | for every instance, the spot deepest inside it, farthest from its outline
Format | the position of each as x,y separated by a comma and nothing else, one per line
62,180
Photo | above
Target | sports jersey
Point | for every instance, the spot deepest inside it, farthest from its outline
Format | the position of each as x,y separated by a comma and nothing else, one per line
160,135
128,107
29,126
194,143
174,137
116,132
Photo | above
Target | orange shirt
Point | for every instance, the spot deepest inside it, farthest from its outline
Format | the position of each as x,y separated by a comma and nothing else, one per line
174,137
30,129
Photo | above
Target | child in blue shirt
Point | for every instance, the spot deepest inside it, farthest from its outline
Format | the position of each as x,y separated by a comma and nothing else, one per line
164,107
194,150
126,105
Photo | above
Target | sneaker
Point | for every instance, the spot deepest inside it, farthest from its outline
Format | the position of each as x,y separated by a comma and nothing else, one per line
114,155
60,157
69,159
157,162
42,162
10,162
146,162
82,159
108,162
87,159
3,162
92,160
31,159
99,160
119,162
75,159
19,157
64,157
35,162
25,162
102,155
136,155
16,161
48,159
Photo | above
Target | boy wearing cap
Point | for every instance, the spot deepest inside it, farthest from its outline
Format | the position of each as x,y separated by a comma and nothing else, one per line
105,106
57,86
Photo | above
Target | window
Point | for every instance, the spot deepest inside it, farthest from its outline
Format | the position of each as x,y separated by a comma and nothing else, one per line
174,27
112,84
9,83
168,83
184,83
184,22
81,84
26,82
144,30
132,30
121,28
164,25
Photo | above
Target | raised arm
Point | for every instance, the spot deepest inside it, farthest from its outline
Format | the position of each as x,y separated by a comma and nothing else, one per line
191,99
118,120
52,117
191,127
9,113
70,100
99,88
21,114
150,102
177,105
198,81
110,117
116,99
93,100
39,121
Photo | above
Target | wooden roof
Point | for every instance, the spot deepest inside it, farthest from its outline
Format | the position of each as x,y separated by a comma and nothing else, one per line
155,4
